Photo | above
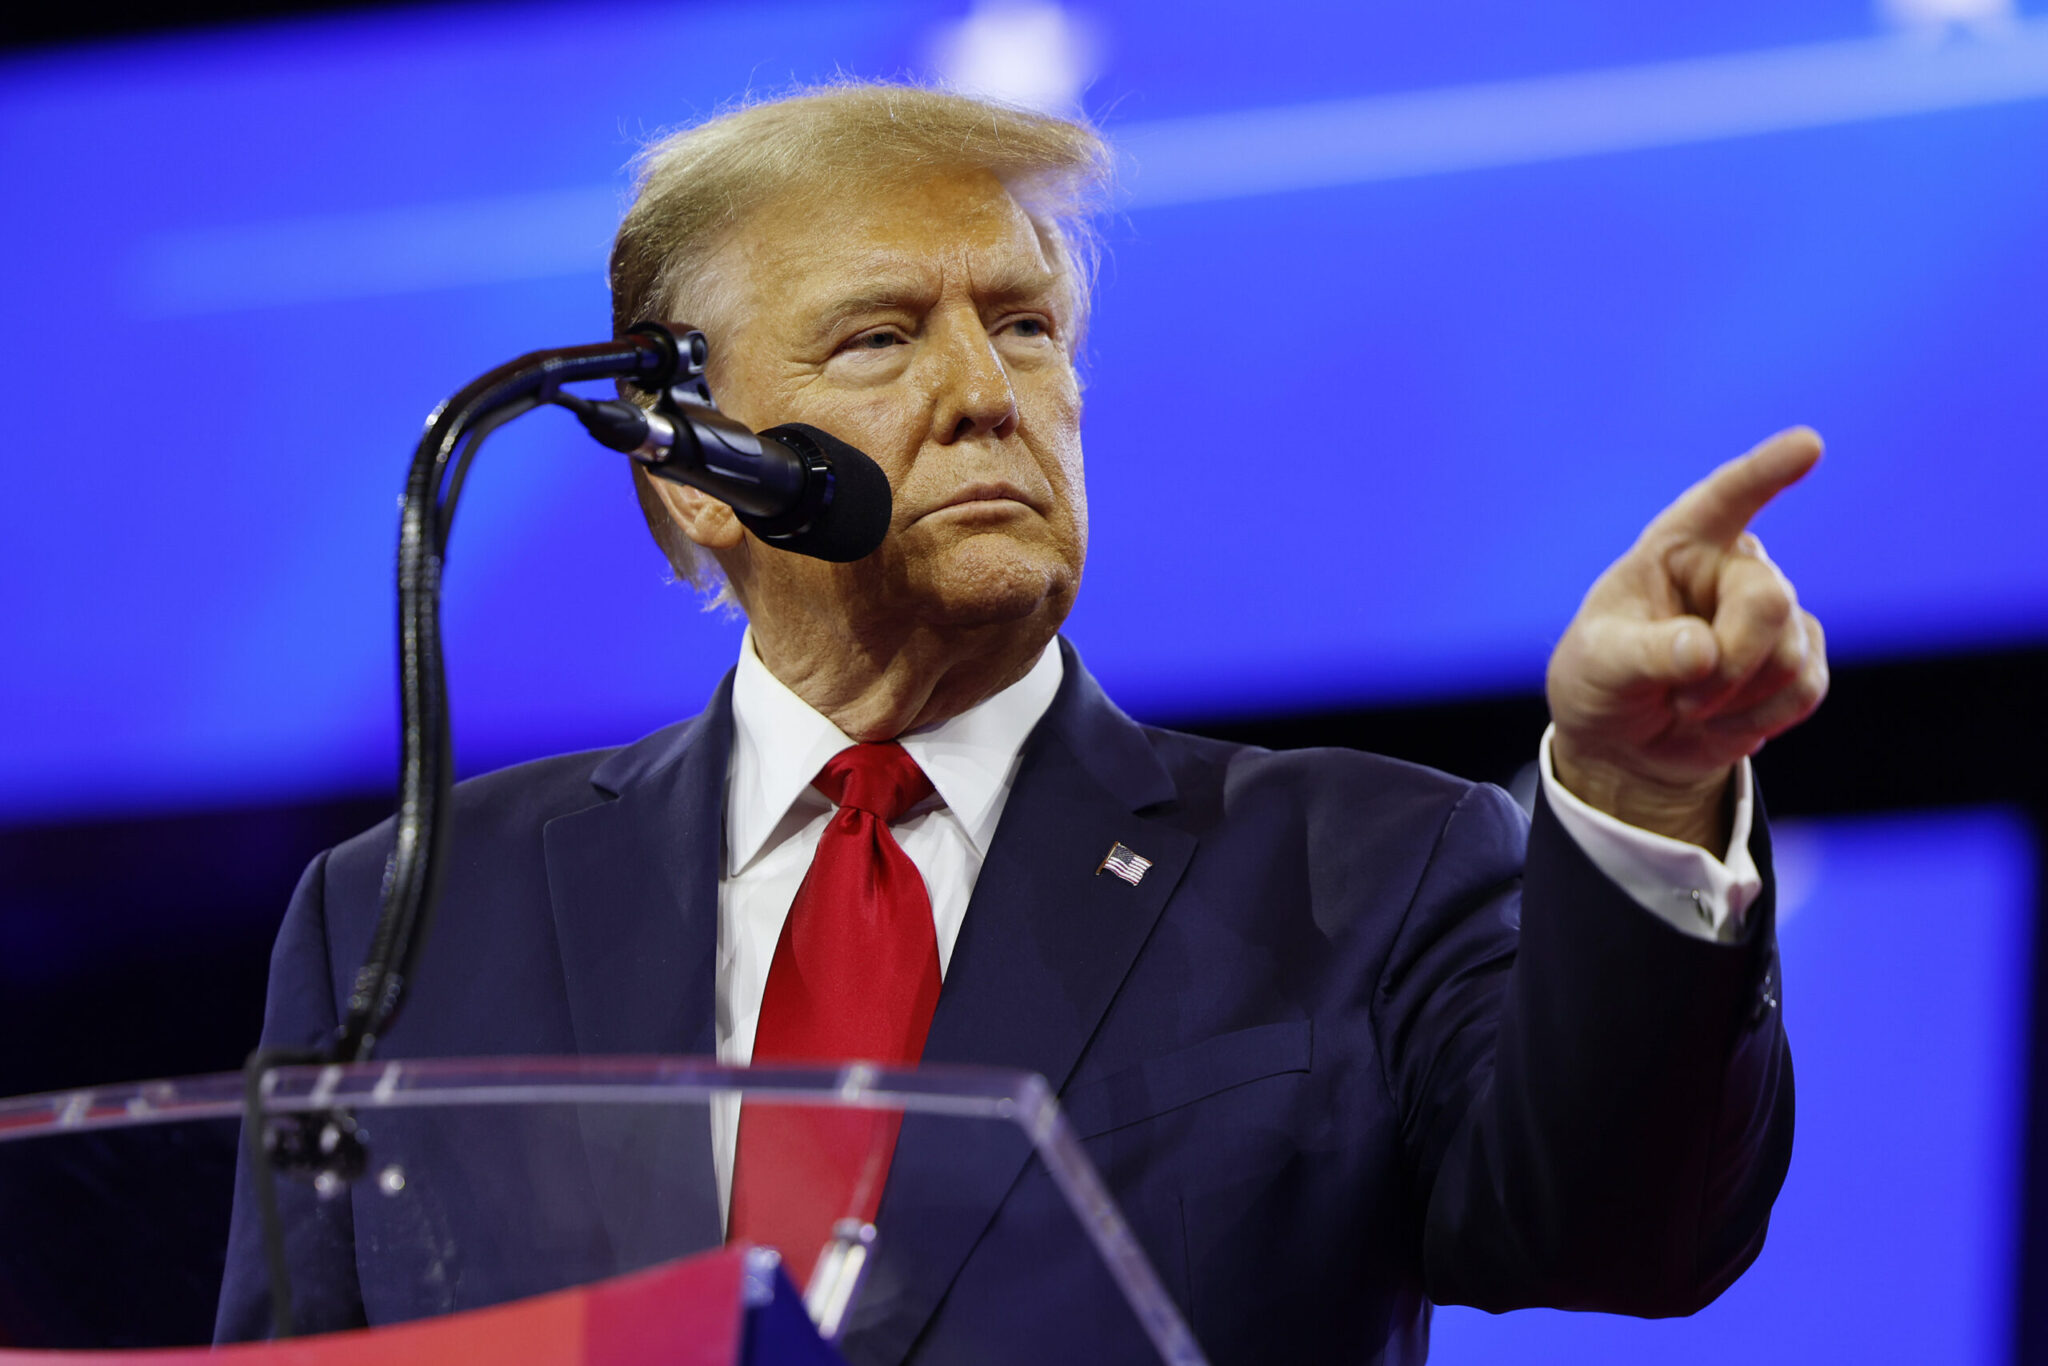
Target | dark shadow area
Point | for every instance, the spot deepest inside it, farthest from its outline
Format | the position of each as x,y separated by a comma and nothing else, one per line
2031,1286
138,947
1957,730
130,1231
52,25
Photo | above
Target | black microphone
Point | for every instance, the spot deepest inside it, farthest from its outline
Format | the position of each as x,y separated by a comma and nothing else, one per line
798,488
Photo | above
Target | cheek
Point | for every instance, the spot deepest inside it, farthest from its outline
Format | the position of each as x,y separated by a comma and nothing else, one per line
1049,404
881,424
1061,456
1057,420
1076,491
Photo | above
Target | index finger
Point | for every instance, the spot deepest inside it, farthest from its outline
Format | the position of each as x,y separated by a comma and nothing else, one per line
1720,506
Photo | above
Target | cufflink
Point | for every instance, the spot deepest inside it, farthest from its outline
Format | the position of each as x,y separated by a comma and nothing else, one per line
1124,862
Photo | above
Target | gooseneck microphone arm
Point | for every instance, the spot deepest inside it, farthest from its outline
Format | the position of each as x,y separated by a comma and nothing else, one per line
325,1145
798,488
650,356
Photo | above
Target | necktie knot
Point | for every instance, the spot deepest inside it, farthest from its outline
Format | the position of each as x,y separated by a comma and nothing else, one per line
879,779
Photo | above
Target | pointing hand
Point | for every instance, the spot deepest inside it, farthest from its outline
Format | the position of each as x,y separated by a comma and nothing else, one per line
1688,653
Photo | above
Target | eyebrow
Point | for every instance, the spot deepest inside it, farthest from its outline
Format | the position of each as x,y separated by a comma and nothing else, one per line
871,296
877,295
1010,286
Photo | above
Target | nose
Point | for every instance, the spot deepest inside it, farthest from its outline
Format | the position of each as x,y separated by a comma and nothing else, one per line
974,395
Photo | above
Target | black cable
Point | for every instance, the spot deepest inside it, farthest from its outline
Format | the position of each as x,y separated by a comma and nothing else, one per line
327,1143
263,1174
482,428
649,356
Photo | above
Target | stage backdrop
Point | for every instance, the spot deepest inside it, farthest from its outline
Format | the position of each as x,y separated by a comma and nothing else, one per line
1411,317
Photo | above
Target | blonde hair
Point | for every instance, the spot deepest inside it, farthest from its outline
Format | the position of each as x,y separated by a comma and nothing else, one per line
693,190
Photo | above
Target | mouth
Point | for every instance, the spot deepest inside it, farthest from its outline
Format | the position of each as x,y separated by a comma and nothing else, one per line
991,496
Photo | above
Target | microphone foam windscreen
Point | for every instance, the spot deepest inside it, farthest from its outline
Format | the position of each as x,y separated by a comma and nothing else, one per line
857,520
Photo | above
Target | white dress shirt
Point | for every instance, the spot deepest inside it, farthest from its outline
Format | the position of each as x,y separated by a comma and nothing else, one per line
1702,895
774,819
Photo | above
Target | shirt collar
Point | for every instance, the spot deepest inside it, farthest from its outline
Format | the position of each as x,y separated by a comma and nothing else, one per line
780,742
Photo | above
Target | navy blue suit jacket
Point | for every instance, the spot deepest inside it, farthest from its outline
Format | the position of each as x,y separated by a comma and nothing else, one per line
1362,1038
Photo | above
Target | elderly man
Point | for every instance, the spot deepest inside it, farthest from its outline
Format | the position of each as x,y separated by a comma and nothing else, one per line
1345,1036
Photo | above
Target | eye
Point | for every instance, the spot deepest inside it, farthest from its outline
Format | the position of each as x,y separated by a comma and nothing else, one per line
875,341
1028,327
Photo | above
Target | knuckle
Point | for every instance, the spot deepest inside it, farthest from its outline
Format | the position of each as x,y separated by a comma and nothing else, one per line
1771,605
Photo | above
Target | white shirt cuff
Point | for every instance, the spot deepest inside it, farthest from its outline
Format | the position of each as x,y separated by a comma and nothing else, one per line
1680,883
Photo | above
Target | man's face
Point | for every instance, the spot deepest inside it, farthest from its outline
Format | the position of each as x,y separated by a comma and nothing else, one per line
925,325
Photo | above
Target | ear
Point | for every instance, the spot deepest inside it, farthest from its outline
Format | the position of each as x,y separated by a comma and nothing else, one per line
701,517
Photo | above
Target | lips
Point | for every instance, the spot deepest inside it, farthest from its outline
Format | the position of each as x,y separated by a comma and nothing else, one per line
986,491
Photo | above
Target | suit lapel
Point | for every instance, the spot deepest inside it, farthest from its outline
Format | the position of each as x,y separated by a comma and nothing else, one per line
634,885
634,882
1045,946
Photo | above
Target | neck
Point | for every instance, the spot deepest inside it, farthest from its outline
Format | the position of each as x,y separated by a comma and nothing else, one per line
876,689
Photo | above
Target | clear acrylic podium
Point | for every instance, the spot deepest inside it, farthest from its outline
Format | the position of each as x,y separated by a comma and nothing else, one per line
499,1187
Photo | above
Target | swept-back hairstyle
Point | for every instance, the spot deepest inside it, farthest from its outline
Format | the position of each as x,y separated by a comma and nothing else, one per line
694,189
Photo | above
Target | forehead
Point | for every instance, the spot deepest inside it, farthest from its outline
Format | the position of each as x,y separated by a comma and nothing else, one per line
960,230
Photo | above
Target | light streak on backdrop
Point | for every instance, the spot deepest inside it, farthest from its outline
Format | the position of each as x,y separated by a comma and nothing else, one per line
1510,276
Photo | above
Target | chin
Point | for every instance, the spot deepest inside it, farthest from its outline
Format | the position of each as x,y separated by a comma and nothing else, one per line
991,585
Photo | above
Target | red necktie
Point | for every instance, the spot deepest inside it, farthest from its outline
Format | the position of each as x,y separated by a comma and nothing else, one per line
855,976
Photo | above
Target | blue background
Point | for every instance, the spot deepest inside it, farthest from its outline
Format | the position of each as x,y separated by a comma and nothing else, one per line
1347,444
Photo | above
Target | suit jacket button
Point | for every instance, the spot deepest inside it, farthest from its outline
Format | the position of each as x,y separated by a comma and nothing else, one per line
1766,993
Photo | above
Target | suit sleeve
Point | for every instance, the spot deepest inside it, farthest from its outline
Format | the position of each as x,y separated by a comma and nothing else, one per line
319,1234
1597,1108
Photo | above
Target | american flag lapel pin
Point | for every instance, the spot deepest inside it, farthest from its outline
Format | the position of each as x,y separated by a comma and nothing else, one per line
1124,862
